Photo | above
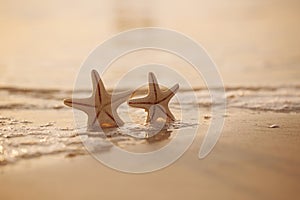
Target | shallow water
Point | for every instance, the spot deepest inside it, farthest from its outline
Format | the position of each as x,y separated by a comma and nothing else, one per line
34,122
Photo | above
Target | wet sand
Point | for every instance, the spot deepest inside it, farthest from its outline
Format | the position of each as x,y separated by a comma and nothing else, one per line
250,161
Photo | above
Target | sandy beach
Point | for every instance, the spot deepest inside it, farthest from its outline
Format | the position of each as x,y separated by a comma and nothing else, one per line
250,161
255,46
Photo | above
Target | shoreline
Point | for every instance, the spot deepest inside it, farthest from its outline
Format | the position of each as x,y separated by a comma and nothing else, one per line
249,161
253,87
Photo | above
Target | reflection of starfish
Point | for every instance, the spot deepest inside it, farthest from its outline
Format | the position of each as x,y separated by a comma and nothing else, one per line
101,106
160,136
156,102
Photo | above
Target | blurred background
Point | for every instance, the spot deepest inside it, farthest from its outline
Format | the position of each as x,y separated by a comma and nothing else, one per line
43,43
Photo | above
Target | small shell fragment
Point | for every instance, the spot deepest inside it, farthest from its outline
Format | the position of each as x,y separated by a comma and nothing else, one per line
207,116
274,126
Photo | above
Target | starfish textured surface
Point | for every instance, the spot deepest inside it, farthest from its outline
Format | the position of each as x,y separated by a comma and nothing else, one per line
101,107
156,102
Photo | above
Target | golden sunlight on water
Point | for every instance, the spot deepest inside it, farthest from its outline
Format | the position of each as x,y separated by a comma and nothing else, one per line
252,42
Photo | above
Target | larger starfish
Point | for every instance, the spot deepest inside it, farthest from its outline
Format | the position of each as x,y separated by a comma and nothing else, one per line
101,107
156,102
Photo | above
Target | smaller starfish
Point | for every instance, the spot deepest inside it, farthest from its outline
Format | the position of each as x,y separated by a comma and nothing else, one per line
100,107
156,102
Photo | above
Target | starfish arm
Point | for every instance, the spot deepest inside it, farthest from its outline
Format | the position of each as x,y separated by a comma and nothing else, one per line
169,93
159,112
91,125
117,118
140,103
170,116
164,113
154,113
119,98
99,92
106,120
85,105
154,89
95,80
152,78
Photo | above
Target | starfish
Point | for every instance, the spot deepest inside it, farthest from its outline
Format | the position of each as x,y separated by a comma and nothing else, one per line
101,106
156,102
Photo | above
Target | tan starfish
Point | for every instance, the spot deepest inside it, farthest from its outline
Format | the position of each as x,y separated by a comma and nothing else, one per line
101,106
156,102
